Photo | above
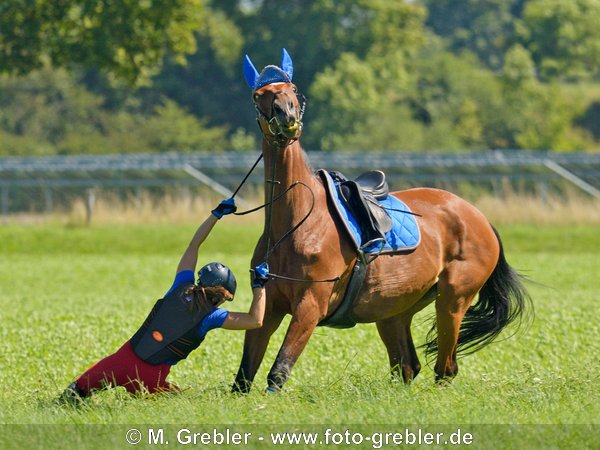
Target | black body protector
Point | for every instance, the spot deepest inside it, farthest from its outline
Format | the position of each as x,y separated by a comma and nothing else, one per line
169,333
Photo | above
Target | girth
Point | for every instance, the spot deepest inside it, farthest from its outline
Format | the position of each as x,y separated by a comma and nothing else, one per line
342,316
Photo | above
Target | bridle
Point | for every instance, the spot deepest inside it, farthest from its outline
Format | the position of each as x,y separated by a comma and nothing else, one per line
273,131
270,126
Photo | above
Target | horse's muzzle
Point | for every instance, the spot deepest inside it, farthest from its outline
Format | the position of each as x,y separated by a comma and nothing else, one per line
291,131
286,126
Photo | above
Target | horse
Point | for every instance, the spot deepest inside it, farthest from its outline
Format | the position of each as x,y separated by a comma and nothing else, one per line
460,256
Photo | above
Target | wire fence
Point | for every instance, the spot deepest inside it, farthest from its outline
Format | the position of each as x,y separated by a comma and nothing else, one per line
40,184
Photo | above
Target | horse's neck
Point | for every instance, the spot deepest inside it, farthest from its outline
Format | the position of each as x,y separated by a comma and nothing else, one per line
290,167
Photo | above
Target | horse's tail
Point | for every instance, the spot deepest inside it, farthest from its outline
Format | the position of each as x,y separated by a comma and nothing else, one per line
503,299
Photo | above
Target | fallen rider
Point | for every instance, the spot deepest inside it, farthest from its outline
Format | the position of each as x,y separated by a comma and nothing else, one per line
177,324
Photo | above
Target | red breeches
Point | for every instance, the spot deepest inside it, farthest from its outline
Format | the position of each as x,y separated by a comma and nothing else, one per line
125,368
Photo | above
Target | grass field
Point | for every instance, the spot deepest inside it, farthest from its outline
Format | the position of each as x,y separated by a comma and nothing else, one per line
73,294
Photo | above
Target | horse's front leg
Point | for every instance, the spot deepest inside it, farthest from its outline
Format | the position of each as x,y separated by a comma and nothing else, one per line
304,320
255,345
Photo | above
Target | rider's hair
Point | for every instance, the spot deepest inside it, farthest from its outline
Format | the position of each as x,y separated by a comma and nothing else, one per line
211,295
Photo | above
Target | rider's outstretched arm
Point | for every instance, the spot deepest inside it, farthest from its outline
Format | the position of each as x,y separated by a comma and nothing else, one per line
190,255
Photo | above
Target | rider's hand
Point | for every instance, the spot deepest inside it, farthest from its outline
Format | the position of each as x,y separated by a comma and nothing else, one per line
261,275
224,208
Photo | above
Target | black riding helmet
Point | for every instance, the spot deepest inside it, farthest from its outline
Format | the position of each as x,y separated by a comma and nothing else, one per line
217,274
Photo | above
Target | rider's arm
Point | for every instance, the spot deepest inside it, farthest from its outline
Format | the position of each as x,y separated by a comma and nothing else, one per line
251,319
190,255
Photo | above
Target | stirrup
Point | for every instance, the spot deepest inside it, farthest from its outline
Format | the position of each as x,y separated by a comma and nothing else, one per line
361,251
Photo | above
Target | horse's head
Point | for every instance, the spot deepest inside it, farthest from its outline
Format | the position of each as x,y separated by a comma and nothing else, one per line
279,106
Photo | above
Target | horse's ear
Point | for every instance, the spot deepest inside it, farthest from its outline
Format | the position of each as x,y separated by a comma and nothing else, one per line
250,72
286,64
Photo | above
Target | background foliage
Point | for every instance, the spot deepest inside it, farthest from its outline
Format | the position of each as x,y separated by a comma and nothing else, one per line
84,76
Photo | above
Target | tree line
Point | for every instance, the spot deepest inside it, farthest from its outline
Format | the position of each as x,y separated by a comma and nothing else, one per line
82,76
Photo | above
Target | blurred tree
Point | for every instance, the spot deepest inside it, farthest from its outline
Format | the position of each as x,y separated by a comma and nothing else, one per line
125,38
171,128
48,112
484,27
519,67
357,86
46,105
536,115
316,33
589,119
563,37
344,95
375,76
210,85
455,98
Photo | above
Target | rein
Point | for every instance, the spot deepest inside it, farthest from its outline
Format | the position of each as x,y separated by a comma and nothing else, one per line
275,139
272,200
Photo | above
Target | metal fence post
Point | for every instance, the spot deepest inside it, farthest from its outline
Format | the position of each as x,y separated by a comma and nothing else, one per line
90,202
4,201
48,199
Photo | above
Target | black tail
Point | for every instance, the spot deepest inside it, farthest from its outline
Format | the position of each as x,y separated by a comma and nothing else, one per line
503,299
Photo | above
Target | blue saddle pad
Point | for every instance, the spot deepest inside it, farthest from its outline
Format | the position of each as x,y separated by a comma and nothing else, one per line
404,234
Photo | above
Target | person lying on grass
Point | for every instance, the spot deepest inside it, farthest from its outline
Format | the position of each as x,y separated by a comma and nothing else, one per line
177,323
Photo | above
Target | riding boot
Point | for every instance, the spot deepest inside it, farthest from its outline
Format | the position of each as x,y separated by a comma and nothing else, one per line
72,395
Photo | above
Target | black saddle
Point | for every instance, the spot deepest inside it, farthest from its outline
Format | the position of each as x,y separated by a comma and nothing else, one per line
360,196
373,182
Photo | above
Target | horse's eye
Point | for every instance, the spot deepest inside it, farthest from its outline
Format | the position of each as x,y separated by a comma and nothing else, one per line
256,97
295,89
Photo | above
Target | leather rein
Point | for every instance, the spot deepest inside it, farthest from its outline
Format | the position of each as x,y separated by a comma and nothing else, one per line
272,131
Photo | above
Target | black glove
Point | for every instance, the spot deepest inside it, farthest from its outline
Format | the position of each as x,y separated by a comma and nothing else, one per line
261,275
224,208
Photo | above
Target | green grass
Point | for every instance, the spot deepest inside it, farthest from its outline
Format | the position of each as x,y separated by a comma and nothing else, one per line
72,295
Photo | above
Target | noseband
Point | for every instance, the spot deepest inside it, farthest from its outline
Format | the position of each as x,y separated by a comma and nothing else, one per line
271,127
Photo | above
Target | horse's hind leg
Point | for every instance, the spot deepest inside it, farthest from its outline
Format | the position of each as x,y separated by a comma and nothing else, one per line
456,293
255,345
395,334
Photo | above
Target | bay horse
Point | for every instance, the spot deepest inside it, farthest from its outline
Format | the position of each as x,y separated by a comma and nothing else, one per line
460,255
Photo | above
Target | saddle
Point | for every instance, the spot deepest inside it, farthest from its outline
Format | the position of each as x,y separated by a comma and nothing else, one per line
361,196
375,222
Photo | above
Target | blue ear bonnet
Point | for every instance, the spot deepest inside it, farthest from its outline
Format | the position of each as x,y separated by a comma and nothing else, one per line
270,74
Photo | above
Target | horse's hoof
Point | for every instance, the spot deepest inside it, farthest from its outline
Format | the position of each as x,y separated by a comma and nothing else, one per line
443,382
240,388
